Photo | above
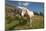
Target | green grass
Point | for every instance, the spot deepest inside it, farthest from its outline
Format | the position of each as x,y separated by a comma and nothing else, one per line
38,22
18,22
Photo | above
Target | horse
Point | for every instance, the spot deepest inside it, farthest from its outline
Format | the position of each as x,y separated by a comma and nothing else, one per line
27,13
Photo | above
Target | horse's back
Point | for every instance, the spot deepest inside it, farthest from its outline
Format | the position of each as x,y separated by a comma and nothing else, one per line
31,14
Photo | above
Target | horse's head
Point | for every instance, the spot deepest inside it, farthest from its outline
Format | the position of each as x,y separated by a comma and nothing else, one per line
23,11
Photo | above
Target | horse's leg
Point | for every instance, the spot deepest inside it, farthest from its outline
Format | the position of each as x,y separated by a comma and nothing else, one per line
30,23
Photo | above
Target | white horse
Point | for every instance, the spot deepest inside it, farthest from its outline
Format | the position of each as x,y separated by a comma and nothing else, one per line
28,13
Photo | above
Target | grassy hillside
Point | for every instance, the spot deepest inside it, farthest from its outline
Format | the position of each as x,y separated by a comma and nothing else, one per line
17,22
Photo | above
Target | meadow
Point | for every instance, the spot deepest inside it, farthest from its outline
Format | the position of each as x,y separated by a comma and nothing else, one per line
20,23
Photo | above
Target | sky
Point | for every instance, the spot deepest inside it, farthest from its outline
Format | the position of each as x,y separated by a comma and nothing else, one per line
34,6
